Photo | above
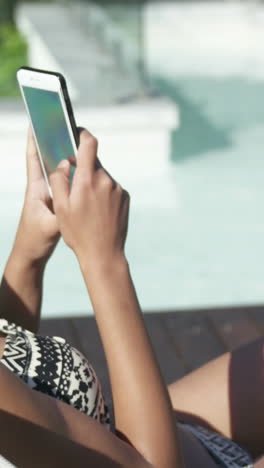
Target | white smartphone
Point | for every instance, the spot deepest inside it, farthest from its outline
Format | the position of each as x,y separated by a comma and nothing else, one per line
50,112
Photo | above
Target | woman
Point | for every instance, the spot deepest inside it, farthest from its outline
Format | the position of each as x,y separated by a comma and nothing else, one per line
66,422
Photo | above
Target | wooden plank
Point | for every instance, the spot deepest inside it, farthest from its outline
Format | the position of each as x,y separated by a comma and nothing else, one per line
196,340
59,327
234,327
171,365
92,347
256,314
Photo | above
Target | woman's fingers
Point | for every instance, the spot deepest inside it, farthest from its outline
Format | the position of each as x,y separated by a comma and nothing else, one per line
93,212
34,169
114,183
87,161
87,155
60,185
72,160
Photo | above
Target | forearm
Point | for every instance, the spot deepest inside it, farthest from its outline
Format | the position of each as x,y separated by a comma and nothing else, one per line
143,411
21,292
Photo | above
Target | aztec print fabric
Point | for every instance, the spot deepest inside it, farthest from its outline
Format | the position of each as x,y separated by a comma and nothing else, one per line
50,365
225,452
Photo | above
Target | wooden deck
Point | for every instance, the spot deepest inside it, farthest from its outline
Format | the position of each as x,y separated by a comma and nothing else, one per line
183,340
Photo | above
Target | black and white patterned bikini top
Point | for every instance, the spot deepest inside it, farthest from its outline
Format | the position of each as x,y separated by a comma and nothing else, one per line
50,365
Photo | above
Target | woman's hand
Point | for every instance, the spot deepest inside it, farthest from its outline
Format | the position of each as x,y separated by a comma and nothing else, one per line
93,213
38,232
37,236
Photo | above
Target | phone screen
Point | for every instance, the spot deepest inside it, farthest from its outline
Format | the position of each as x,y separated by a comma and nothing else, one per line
49,125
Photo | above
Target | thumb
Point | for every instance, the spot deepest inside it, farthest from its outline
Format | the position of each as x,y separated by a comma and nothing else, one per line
60,185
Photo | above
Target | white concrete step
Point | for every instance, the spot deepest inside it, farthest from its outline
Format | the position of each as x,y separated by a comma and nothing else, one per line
57,41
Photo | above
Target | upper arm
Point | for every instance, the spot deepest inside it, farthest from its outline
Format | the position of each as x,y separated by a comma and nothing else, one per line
43,431
27,444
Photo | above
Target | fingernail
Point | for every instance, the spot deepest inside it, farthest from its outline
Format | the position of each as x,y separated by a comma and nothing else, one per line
63,164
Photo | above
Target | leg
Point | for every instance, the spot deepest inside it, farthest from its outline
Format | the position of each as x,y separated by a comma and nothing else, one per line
227,394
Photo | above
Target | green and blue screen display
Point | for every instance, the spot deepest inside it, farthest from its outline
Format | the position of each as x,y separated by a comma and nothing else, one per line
49,126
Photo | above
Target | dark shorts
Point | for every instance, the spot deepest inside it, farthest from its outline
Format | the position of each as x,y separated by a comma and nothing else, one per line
224,451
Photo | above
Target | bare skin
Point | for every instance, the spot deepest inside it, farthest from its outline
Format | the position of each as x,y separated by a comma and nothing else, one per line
194,454
36,238
68,422
93,218
160,441
259,463
227,395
